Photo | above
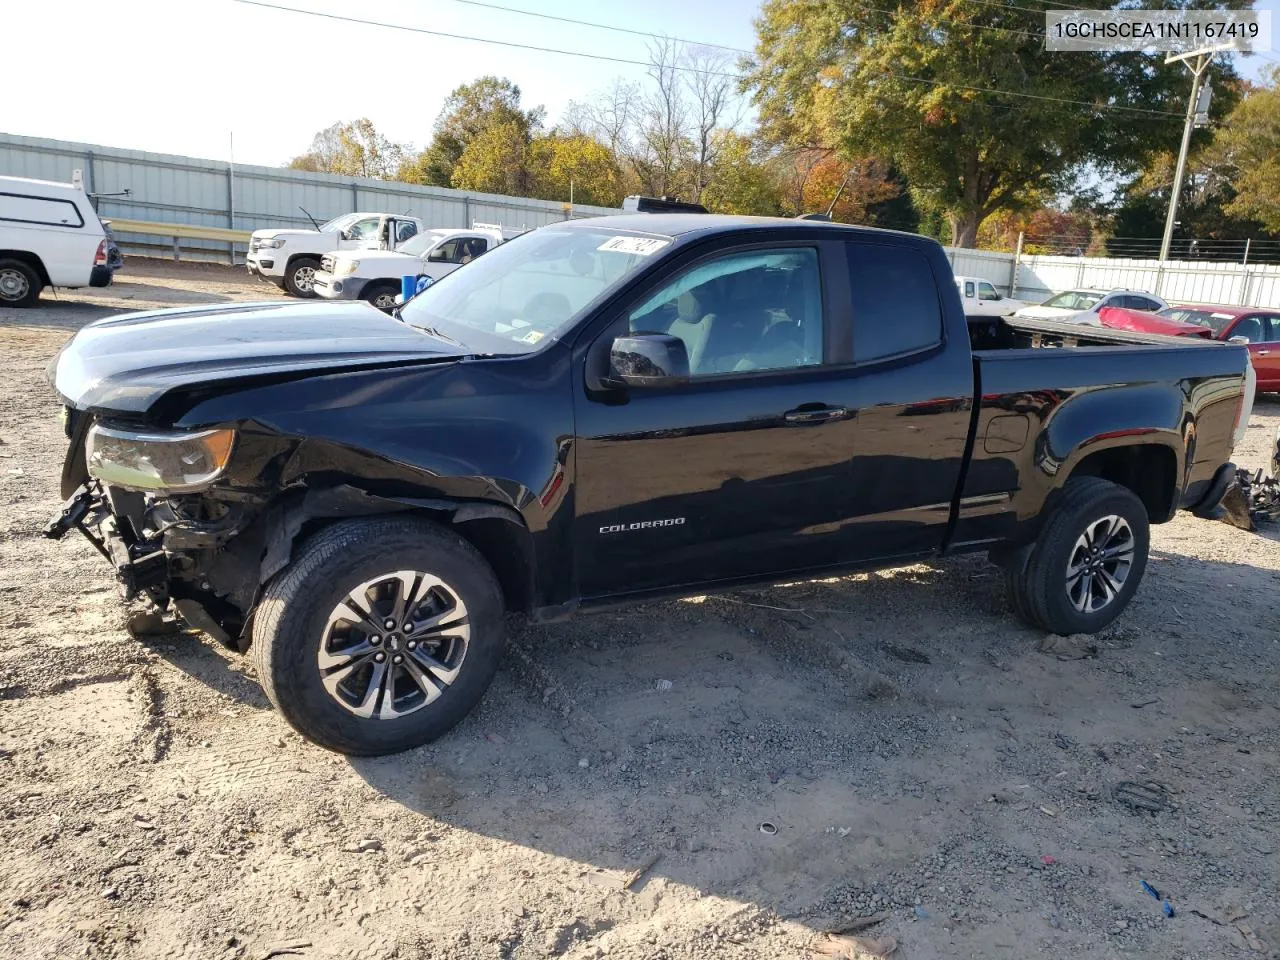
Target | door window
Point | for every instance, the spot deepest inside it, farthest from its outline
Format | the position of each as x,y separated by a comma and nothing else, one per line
447,252
366,229
895,301
741,312
1143,303
1251,328
1270,328
987,292
469,248
405,230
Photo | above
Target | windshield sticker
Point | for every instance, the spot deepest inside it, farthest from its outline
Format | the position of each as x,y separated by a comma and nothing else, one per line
642,246
533,336
1221,316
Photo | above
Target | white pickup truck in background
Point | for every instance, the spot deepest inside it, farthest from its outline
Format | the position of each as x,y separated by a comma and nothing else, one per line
982,299
50,236
290,258
376,276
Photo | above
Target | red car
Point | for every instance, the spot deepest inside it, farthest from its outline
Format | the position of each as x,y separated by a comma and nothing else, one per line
1259,327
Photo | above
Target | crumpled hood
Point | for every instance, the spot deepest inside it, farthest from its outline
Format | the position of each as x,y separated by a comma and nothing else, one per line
128,362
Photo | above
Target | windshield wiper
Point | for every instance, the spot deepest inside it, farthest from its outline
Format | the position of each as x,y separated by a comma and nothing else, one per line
442,336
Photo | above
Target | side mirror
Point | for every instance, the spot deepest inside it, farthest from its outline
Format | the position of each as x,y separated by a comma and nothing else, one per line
437,254
649,360
1244,340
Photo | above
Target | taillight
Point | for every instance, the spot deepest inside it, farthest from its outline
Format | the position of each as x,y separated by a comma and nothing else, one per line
100,258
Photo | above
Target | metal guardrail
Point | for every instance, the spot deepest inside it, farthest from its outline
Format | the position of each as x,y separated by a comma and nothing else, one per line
182,230
179,232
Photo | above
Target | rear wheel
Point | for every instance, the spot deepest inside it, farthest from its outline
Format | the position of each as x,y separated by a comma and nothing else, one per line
1085,567
381,636
19,284
382,295
300,276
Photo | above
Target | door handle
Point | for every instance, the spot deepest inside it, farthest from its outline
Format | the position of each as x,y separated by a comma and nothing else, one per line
1262,353
814,413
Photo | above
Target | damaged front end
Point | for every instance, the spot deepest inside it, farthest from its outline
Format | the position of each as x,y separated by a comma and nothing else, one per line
1254,498
143,499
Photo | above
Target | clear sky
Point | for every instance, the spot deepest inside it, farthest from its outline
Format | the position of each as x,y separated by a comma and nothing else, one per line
178,76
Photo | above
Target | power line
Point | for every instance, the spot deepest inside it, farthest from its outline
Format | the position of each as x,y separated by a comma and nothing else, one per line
600,26
715,73
460,36
1030,96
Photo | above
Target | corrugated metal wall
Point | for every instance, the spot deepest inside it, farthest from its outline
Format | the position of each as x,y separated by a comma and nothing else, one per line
211,193
172,189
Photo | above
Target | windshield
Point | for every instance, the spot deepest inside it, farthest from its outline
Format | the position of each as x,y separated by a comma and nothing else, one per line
420,244
528,290
1217,322
338,223
1073,300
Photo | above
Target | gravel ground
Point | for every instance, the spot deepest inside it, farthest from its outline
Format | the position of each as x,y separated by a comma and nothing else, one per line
914,749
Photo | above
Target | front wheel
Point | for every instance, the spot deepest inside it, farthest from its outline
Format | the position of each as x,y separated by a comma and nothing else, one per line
1086,566
382,295
300,277
381,636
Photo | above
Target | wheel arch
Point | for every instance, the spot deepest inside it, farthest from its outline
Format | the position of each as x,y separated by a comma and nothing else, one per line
30,259
496,530
295,257
1149,470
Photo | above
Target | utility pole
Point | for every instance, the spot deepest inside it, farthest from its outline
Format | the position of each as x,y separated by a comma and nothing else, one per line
1197,115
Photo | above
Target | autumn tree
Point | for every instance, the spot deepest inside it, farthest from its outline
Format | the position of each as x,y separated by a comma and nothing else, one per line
353,149
494,161
1247,149
564,166
470,110
961,97
743,180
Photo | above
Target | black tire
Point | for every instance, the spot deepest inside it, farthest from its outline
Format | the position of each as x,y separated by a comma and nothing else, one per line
297,277
385,292
20,285
1040,591
292,622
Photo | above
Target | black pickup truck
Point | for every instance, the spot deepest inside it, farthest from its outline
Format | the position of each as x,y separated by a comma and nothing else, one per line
611,409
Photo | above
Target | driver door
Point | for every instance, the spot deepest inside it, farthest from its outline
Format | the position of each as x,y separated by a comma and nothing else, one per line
744,470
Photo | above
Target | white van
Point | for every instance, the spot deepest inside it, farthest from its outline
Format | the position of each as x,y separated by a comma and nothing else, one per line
50,236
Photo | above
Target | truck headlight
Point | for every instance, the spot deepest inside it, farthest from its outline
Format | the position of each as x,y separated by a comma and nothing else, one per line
271,244
169,461
346,268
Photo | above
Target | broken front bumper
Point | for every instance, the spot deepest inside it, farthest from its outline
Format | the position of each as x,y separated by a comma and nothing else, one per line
141,566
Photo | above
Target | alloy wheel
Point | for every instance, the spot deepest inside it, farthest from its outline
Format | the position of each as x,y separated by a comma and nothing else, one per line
1100,563
304,278
394,644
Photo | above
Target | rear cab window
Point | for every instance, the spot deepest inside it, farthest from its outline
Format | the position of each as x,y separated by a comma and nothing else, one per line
896,307
40,211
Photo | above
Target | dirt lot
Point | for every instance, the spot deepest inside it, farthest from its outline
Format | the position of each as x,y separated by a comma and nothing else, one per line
916,751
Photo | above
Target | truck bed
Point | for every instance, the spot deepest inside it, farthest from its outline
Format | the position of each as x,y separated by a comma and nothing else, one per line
1007,333
1051,394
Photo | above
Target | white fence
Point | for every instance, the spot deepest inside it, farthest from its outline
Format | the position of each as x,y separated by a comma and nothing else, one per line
212,193
1035,278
